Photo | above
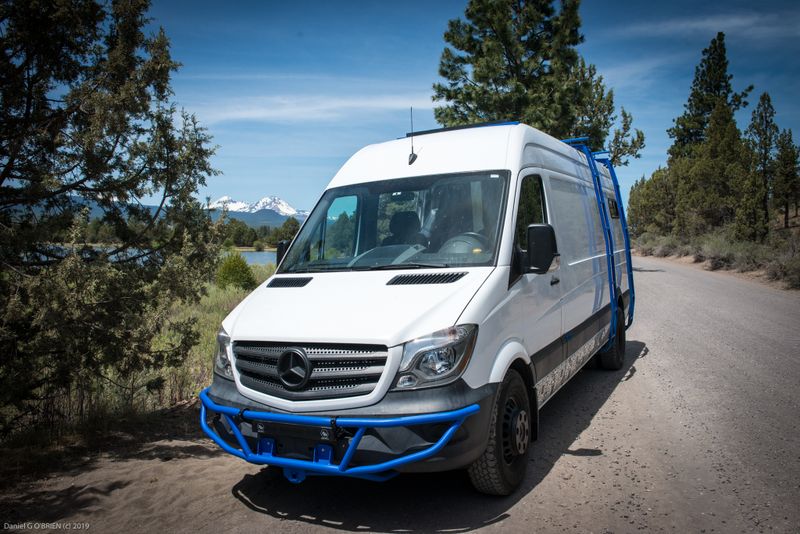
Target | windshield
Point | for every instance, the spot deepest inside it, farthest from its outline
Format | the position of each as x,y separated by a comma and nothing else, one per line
449,220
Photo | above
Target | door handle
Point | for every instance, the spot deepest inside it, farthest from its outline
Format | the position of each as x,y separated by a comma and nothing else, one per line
554,281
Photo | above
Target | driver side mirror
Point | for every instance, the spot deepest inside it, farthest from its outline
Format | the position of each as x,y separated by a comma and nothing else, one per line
542,249
280,251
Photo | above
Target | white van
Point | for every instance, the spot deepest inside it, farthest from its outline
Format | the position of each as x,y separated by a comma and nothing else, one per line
430,305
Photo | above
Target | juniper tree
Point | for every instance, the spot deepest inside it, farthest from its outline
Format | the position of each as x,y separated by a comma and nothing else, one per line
517,60
87,126
651,204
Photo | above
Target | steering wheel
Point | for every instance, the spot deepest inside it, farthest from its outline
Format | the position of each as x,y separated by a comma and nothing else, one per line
468,241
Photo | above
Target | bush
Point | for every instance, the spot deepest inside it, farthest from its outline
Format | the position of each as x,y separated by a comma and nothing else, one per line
792,276
234,271
258,245
785,265
228,243
717,250
666,246
644,244
262,272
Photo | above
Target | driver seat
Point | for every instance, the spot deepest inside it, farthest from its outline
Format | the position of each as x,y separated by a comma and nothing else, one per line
405,227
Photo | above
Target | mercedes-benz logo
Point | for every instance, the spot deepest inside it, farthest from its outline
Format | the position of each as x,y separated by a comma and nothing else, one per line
294,369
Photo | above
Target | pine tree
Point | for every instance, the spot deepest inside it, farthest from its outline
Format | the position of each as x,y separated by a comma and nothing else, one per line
763,133
711,84
516,60
787,177
749,195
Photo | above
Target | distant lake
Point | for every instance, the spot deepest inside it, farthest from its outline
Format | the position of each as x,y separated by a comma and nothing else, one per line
264,257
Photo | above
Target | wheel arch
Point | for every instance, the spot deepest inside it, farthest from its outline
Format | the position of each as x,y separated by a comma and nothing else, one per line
514,356
526,372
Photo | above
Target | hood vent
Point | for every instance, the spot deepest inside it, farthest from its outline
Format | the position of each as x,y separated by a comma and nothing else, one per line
433,278
289,282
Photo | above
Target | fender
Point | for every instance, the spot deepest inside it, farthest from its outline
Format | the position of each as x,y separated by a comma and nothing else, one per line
510,351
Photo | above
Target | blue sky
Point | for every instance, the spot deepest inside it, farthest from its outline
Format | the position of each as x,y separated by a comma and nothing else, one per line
290,90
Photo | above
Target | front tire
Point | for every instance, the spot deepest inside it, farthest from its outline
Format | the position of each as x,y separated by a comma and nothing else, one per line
502,467
614,358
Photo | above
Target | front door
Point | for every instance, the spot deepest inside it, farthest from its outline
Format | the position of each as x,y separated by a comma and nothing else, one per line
537,297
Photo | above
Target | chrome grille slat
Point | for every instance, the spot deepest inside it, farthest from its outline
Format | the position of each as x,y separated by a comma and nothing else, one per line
347,372
338,370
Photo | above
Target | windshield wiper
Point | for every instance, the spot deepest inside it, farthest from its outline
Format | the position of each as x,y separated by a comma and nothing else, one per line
396,266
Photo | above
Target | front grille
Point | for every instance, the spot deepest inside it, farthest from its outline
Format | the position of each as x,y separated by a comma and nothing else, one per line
337,370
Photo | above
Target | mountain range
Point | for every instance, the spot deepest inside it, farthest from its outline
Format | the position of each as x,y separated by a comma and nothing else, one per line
269,211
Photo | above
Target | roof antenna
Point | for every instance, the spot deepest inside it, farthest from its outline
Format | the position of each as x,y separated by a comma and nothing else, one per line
412,157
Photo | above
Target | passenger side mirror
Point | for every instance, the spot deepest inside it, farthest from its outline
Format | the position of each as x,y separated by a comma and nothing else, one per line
280,251
542,248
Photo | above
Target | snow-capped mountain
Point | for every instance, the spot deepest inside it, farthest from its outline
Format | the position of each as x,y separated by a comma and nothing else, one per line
228,202
276,204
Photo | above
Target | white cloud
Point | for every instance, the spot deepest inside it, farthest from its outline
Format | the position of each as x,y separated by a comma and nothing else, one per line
638,74
290,108
746,25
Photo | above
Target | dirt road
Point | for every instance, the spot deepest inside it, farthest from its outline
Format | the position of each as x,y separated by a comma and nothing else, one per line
698,433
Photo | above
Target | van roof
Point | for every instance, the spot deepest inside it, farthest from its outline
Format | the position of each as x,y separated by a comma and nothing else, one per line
489,147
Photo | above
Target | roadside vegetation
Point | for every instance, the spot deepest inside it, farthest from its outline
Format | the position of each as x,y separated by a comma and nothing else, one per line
238,234
726,197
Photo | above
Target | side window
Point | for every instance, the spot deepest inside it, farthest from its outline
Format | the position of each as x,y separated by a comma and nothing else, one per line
531,208
613,209
340,232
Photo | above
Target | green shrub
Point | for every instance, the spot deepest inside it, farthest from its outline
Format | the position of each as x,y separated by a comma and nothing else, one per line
749,256
262,272
792,276
234,271
644,244
687,249
258,245
785,263
717,250
228,243
666,246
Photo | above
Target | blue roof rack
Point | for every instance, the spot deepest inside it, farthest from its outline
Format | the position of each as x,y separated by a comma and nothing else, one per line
464,127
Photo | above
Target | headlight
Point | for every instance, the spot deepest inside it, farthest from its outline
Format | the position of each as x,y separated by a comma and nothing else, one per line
222,362
436,359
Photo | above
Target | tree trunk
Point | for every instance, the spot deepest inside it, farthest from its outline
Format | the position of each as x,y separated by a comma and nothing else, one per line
786,215
766,200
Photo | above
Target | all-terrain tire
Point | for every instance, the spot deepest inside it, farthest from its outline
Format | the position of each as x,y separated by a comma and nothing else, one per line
614,358
501,469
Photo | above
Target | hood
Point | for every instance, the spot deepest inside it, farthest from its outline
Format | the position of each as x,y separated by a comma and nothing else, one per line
353,307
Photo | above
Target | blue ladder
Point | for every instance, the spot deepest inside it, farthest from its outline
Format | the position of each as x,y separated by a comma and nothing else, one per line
624,223
591,161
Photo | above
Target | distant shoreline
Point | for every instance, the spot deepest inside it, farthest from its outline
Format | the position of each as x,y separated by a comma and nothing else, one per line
102,245
252,249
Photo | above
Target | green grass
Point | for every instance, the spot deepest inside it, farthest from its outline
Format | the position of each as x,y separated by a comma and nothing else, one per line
214,306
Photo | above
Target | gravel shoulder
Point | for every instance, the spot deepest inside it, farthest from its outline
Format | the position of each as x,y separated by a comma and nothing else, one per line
697,433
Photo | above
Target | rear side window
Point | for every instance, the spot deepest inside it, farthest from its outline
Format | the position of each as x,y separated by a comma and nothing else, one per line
575,206
531,208
613,209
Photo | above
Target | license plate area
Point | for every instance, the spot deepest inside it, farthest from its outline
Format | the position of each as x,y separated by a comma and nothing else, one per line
317,434
301,441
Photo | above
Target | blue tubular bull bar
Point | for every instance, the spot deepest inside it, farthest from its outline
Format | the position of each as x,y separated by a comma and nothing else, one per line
295,470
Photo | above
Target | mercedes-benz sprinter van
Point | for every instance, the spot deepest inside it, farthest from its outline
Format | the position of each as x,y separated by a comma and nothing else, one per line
433,301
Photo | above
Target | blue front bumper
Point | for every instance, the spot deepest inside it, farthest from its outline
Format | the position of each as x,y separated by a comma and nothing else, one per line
323,461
